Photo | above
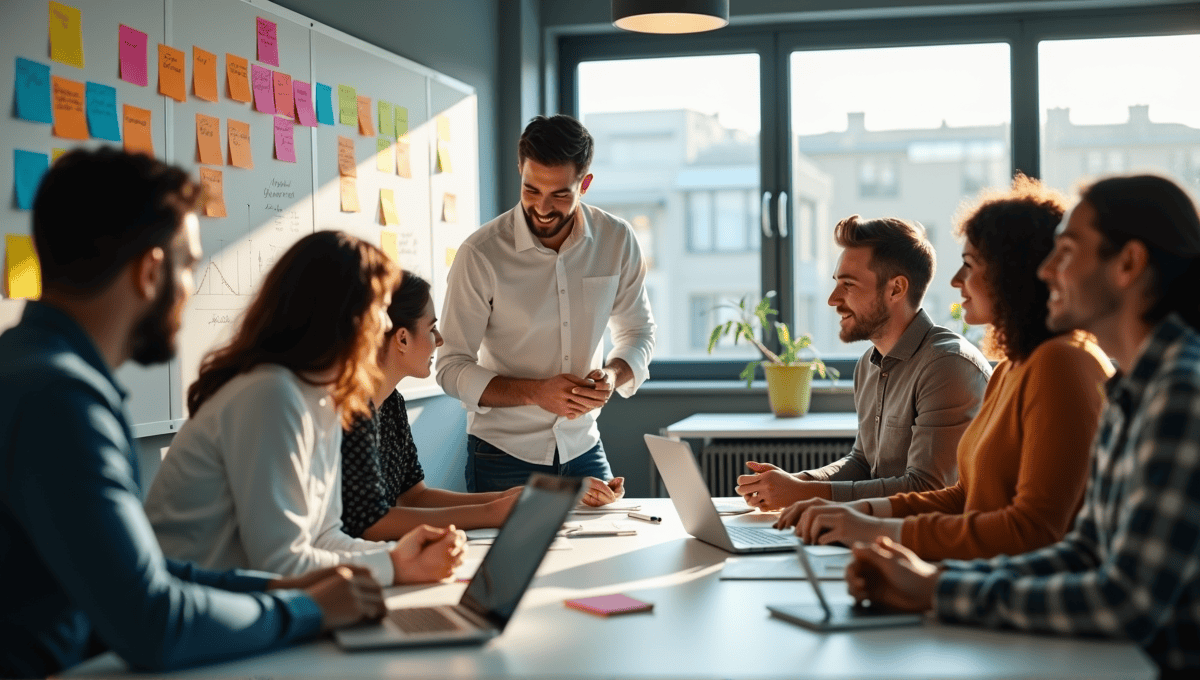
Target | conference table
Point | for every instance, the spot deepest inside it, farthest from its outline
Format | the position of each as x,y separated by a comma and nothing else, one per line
700,627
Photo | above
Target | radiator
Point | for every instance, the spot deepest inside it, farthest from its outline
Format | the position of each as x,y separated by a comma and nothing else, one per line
723,460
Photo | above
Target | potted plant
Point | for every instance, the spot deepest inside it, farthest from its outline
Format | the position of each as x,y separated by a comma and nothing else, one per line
789,377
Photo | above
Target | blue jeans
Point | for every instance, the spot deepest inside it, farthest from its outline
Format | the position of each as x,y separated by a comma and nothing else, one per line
490,469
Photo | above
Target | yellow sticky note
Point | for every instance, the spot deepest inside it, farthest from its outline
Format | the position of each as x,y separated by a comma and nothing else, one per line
349,194
384,161
443,124
449,208
403,159
66,34
450,253
22,273
387,242
55,153
387,201
444,157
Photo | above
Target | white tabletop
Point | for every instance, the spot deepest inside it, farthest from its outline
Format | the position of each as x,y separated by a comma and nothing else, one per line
700,627
764,426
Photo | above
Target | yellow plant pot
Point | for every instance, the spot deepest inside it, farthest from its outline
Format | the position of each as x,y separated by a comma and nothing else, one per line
789,388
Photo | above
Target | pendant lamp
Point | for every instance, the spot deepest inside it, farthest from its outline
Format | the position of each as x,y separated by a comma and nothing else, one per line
670,16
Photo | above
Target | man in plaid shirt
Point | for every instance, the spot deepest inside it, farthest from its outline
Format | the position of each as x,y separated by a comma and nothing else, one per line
1126,267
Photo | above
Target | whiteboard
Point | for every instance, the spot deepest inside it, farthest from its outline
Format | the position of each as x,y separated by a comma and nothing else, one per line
275,203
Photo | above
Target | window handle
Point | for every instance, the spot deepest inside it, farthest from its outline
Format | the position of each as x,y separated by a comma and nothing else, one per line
766,214
782,205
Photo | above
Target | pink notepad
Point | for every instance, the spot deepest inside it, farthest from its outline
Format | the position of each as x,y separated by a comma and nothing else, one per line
607,605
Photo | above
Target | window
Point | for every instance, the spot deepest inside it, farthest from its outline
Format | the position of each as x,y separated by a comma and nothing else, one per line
710,309
877,178
721,221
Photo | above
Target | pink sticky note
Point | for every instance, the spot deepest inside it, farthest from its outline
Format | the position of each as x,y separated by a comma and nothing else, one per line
268,44
133,56
304,105
285,145
261,83
283,94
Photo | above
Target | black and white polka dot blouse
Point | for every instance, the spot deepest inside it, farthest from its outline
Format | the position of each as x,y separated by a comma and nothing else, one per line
379,462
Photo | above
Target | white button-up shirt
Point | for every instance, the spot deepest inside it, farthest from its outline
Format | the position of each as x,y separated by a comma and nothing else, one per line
517,309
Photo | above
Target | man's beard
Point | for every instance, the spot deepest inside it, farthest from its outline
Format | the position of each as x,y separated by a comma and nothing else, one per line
549,231
865,327
153,340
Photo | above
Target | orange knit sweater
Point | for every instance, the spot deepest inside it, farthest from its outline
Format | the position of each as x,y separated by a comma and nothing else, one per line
1022,462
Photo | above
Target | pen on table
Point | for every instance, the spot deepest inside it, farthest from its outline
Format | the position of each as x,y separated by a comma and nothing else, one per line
645,518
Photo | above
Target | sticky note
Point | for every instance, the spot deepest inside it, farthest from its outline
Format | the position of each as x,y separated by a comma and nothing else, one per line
450,253
366,126
262,84
443,127
449,209
347,163
136,131
389,245
285,144
69,120
55,153
324,104
268,42
133,56
304,105
239,144
213,183
282,85
349,194
444,157
403,159
22,274
32,83
387,203
171,81
204,74
208,139
66,34
401,120
28,168
384,161
347,106
387,121
236,77
102,112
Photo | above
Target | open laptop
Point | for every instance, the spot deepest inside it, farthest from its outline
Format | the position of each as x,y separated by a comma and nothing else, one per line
700,517
497,587
822,617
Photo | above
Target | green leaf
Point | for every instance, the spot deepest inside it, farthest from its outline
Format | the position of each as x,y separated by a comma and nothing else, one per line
748,373
784,336
715,336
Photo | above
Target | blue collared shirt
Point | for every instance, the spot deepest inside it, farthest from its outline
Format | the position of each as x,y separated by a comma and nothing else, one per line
80,569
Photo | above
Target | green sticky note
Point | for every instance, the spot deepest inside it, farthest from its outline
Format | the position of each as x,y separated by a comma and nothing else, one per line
401,120
347,106
387,125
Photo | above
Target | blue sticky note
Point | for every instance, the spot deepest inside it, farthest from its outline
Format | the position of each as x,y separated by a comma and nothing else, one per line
102,112
324,104
33,91
28,168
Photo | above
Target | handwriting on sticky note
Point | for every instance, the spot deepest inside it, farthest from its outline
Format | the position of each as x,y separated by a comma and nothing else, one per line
347,163
28,168
285,144
349,194
387,204
22,274
213,183
366,126
449,208
284,104
347,106
389,244
268,41
304,104
324,104
401,120
136,130
66,34
32,91
171,81
204,74
208,139
239,144
236,78
102,112
261,82
403,158
387,121
69,119
384,161
133,56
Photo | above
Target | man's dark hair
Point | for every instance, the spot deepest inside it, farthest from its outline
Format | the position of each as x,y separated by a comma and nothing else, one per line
1157,212
96,211
557,140
898,248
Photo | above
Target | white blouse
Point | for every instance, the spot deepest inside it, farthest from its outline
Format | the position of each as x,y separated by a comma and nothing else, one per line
254,482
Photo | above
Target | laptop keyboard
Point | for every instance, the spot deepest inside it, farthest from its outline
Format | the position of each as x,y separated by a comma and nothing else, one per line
755,536
422,620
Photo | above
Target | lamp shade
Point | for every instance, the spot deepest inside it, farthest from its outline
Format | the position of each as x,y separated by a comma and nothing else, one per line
670,16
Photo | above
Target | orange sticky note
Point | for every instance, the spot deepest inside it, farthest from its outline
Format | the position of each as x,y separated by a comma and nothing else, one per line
22,272
239,144
349,194
66,34
444,157
389,245
237,78
387,203
208,139
69,119
384,162
170,73
137,131
403,158
366,126
347,165
204,74
449,208
443,125
213,182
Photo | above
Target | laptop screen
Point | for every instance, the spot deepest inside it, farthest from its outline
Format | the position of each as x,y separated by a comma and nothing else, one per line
515,555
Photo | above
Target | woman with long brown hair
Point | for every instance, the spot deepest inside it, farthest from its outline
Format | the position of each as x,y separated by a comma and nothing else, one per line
252,480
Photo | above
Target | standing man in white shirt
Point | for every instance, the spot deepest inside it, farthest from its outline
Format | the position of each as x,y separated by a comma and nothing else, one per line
529,297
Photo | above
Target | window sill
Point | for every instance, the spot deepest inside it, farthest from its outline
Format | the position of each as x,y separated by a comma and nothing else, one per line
732,386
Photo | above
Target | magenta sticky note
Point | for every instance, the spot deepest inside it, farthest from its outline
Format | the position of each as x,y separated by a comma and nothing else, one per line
283,94
304,105
261,81
133,56
268,43
285,144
